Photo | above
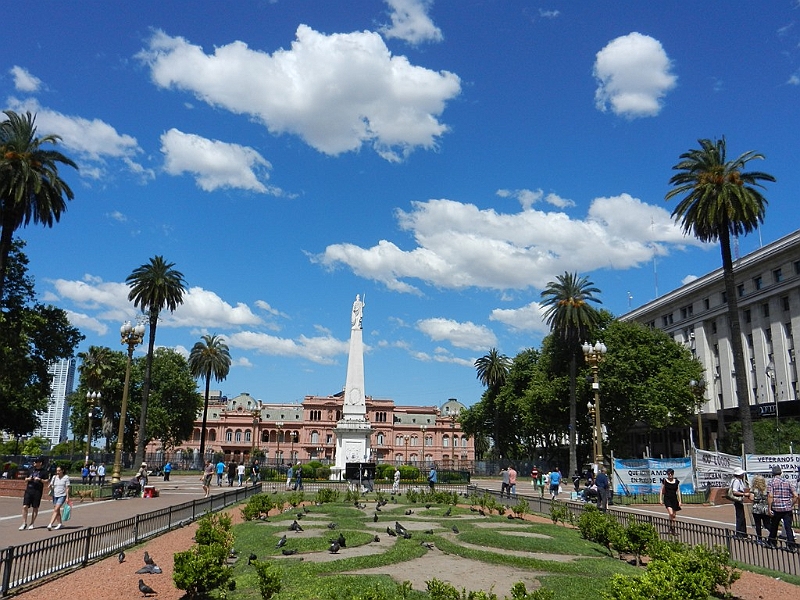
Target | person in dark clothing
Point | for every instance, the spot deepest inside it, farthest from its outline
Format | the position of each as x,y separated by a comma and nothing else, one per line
670,496
603,489
34,487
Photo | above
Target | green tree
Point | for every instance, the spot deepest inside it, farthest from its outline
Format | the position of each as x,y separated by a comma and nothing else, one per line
720,199
209,358
97,371
154,287
30,186
570,318
492,369
32,336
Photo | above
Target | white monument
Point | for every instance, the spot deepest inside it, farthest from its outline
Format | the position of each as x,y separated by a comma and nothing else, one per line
353,430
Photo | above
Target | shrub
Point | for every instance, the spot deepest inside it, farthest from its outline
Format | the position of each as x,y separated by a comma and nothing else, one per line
214,529
522,508
201,569
561,512
257,506
326,495
269,579
441,590
296,498
520,592
599,527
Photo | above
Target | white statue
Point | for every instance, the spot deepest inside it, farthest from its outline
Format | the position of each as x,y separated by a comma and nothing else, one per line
358,310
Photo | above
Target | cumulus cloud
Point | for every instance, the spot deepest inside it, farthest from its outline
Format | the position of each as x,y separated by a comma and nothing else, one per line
529,318
321,349
459,245
214,164
83,321
92,140
528,198
633,74
461,335
337,92
410,22
24,81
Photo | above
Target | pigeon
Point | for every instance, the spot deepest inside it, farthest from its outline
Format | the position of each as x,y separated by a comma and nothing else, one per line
121,556
287,552
455,529
148,560
427,545
376,539
448,511
375,518
473,509
299,515
334,547
305,510
149,570
399,528
427,506
295,526
481,512
407,535
409,512
429,532
146,589
281,542
331,525
378,508
251,559
391,532
341,541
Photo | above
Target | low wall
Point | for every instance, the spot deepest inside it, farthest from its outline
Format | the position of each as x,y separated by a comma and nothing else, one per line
12,488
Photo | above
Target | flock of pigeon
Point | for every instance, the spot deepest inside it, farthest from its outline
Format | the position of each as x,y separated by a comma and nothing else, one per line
150,568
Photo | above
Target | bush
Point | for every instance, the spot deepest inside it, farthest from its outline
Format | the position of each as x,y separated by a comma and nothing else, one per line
598,527
561,512
269,579
201,569
326,495
520,592
257,506
214,529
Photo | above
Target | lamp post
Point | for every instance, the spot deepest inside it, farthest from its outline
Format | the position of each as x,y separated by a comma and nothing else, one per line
132,336
279,425
423,429
770,373
405,437
91,398
256,421
594,356
699,389
291,452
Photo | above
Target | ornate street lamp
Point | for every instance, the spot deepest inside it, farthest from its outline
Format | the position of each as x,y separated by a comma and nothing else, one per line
699,390
91,398
132,336
294,437
594,356
279,425
405,437
256,421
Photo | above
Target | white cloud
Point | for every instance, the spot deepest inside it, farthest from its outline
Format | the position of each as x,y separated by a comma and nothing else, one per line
461,335
794,78
24,81
459,245
528,198
92,140
688,279
321,350
548,14
117,216
214,164
84,321
527,318
633,75
410,22
337,92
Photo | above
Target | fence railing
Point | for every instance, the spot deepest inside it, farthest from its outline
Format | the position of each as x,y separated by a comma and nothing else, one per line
743,550
24,564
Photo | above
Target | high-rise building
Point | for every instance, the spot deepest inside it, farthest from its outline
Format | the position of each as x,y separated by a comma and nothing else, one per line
55,421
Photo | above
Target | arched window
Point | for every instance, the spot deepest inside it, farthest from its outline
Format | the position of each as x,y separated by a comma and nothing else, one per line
379,439
414,440
212,435
445,441
238,436
315,437
196,435
228,435
398,440
464,441
264,436
247,435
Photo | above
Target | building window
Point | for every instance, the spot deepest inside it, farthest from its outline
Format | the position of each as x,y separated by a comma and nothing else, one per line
748,316
445,441
740,290
713,327
765,310
723,296
687,311
212,435
757,283
229,436
264,436
768,335
797,267
247,436
785,302
315,437
667,319
706,304
238,435
315,415
749,340
379,439
777,275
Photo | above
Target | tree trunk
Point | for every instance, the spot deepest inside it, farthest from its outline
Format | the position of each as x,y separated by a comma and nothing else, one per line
142,438
205,414
739,363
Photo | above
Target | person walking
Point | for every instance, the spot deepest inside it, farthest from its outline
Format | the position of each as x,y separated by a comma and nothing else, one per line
603,486
761,518
208,473
555,482
220,472
432,478
289,477
737,488
781,498
240,473
59,486
231,473
670,497
534,477
512,481
298,477
255,472
32,499
504,482
167,470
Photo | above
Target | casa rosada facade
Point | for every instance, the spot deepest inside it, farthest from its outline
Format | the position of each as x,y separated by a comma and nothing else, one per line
242,427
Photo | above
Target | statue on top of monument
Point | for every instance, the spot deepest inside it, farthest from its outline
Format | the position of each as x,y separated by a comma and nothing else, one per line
358,311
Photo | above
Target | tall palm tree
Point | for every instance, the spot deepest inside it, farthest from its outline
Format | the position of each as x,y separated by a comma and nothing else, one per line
720,199
571,319
209,358
154,287
30,187
492,370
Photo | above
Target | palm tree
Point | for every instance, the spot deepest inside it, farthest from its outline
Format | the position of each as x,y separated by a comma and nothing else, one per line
720,199
492,371
154,287
30,188
96,371
571,319
209,358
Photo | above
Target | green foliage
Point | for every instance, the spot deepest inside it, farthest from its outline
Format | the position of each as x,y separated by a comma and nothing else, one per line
521,508
441,590
201,569
296,498
561,513
269,579
257,506
767,439
677,572
600,528
520,592
215,528
326,495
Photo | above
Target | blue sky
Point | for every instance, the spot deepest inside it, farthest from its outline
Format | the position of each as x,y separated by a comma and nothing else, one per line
446,159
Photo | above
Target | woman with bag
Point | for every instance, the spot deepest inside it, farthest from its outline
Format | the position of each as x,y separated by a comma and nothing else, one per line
59,486
736,492
761,517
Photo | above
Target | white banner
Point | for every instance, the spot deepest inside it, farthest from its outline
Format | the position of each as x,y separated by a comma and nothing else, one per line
715,469
761,464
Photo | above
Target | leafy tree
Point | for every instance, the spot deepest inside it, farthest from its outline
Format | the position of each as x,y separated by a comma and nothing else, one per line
30,187
32,336
209,358
154,287
768,441
720,199
98,370
492,369
570,318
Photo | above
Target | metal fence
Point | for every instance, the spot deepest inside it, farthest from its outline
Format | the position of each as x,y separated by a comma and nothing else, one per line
744,550
24,564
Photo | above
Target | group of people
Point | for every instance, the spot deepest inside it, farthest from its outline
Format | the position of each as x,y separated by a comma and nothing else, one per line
294,477
508,481
34,489
597,488
90,472
773,503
